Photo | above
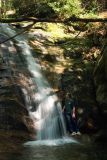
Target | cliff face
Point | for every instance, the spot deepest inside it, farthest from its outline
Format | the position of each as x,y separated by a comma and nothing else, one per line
100,79
14,78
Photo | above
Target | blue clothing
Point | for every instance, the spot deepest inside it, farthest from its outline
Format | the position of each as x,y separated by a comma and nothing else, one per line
69,104
71,123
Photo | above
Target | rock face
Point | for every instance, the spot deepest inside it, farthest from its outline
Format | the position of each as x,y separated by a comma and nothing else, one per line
100,79
13,79
82,89
73,73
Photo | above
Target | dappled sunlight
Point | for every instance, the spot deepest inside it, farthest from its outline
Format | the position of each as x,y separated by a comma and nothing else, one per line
39,45
59,69
103,14
56,50
35,43
62,60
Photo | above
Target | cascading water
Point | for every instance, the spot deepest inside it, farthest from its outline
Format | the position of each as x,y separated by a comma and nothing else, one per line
48,119
47,114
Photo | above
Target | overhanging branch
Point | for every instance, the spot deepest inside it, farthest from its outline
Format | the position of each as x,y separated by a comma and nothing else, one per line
24,30
36,20
85,20
71,19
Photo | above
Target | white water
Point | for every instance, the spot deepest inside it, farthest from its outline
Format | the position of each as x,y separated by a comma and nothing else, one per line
53,142
47,117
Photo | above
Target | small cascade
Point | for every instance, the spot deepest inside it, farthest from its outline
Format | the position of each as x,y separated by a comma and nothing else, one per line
42,103
47,116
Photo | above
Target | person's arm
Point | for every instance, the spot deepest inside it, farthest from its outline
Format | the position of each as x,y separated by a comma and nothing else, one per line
74,112
63,109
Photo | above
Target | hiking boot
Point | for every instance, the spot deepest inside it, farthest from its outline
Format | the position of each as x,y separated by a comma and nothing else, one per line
78,133
73,133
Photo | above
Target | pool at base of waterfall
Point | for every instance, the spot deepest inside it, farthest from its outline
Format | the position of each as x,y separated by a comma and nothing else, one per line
59,149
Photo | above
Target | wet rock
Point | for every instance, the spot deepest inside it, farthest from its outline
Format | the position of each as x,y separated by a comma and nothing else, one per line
100,79
14,78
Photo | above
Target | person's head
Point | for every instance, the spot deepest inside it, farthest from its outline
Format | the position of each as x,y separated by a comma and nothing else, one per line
69,96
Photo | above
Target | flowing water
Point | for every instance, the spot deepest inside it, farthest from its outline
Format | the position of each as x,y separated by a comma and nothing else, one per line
47,115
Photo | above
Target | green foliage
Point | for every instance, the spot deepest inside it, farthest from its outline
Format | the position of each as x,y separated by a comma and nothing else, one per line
91,6
37,8
67,8
5,5
50,8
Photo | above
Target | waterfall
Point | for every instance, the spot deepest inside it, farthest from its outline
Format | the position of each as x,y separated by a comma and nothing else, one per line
47,115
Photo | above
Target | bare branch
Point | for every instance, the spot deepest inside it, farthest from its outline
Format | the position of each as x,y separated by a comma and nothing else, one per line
71,19
24,30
